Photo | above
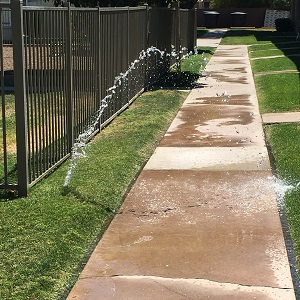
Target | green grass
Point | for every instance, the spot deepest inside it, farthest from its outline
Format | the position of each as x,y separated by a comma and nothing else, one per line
273,52
47,237
10,139
250,36
276,64
270,45
285,145
275,93
284,140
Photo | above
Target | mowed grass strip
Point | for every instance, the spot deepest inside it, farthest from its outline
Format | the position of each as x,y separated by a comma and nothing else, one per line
46,237
276,64
255,36
274,51
284,140
275,93
271,46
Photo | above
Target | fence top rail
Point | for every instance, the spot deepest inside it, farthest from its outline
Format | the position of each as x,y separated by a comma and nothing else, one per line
108,9
4,5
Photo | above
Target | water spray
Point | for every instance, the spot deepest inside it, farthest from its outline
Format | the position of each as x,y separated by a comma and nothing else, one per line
78,149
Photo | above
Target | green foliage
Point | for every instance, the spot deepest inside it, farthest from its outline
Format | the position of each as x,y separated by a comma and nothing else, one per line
274,4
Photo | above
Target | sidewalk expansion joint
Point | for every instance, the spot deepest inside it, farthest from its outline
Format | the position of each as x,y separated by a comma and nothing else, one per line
146,213
194,281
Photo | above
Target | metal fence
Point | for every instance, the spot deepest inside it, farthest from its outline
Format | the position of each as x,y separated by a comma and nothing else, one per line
68,63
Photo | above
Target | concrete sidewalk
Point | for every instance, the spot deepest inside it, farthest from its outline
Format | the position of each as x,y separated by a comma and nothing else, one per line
201,221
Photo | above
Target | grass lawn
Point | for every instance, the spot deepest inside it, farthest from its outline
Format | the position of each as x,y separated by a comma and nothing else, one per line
275,51
10,139
47,237
275,92
284,140
250,37
276,64
271,46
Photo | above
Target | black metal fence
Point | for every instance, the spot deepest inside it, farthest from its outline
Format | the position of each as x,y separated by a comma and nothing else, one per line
69,63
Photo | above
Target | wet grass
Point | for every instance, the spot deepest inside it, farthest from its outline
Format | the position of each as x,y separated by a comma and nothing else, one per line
284,140
275,92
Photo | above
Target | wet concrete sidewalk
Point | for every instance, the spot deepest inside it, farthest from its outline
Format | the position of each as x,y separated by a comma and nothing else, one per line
201,221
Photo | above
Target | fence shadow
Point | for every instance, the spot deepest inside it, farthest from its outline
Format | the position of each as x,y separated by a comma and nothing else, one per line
174,80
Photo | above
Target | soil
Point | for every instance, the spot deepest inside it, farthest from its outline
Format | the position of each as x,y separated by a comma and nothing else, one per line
8,63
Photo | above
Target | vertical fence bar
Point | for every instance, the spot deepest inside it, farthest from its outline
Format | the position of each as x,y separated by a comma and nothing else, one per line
20,97
98,60
128,54
178,34
69,79
147,20
195,29
3,104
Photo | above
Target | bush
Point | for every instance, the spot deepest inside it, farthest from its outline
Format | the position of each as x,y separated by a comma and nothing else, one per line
284,25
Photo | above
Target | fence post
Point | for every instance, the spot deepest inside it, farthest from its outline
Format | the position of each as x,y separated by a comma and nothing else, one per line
128,55
178,48
98,67
195,28
69,80
20,96
146,82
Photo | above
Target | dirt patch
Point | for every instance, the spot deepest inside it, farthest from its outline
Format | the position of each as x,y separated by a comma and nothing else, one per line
8,63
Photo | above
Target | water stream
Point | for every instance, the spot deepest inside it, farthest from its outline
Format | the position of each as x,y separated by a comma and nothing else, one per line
78,149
